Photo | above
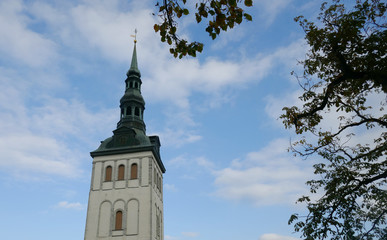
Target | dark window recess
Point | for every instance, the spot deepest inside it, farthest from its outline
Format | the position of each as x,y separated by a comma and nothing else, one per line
108,174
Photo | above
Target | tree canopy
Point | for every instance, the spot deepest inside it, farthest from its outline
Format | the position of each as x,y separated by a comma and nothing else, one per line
345,70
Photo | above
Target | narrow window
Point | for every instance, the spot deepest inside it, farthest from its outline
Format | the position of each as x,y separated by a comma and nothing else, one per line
131,84
157,225
155,177
121,172
118,220
108,174
128,111
133,171
136,85
137,111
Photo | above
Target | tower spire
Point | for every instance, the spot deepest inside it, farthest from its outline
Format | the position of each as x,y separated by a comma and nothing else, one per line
132,104
134,66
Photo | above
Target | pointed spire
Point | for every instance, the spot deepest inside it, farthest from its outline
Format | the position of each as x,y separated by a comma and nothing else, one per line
132,104
133,66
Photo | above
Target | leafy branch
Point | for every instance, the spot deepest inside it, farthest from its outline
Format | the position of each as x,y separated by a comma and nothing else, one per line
222,15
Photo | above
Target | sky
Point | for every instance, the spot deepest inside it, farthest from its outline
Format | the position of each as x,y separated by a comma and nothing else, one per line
228,172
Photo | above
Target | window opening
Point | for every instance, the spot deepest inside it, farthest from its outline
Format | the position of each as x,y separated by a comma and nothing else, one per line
108,174
118,220
155,177
121,172
133,171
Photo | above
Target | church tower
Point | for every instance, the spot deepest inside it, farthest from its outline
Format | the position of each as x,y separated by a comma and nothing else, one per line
126,194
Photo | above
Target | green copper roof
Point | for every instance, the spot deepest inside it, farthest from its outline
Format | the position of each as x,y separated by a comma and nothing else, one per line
133,65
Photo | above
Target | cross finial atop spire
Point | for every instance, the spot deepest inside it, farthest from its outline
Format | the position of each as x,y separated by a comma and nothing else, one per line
135,35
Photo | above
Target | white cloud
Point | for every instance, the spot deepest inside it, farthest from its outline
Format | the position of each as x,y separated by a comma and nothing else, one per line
45,137
170,187
205,163
61,117
273,236
69,205
266,177
107,29
177,137
20,43
268,10
37,154
178,161
182,161
40,144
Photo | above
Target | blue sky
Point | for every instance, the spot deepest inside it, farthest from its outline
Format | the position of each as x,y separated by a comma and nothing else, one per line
229,175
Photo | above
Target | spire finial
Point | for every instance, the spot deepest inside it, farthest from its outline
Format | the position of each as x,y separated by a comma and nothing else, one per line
135,36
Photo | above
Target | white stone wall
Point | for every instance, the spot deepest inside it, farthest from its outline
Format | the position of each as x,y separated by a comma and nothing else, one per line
139,199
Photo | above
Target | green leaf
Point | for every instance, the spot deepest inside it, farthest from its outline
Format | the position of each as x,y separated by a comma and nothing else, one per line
198,18
292,218
248,3
248,17
232,3
156,27
200,47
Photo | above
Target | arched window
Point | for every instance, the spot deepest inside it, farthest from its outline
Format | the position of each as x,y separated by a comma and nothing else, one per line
131,85
108,173
118,225
128,111
121,172
133,171
137,111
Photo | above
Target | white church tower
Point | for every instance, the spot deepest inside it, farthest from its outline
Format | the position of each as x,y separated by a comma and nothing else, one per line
126,194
